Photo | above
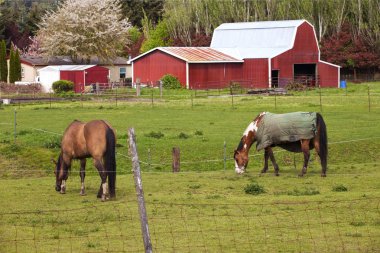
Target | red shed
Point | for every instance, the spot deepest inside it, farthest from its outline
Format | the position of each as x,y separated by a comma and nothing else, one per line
191,65
82,75
254,54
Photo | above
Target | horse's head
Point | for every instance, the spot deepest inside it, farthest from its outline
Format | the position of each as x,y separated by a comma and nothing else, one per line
61,175
241,153
241,160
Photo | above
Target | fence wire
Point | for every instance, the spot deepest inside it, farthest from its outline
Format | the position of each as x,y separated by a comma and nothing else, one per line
306,226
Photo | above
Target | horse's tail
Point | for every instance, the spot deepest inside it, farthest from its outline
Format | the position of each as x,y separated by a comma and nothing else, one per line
110,161
323,149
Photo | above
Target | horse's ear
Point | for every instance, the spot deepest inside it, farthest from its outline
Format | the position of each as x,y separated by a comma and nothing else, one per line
53,161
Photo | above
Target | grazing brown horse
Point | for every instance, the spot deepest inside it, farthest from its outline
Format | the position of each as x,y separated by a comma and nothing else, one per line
94,139
295,132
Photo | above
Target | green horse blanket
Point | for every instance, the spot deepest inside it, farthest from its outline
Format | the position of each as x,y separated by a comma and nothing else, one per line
275,129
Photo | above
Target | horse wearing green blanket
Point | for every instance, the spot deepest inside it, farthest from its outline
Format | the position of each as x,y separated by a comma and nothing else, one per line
295,132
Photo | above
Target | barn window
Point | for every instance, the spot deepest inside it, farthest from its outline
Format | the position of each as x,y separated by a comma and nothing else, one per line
123,72
22,72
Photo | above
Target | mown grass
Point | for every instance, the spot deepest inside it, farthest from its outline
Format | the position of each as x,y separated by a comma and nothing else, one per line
205,208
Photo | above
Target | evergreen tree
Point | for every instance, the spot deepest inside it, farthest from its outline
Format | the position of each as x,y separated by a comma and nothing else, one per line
3,62
17,65
12,77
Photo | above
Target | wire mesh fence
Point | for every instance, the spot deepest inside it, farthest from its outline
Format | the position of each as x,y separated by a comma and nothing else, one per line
212,223
307,226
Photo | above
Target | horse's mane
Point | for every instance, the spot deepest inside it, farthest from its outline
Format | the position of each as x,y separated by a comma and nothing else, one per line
241,144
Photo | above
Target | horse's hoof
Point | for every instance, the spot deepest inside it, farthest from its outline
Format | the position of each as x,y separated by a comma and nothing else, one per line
277,174
323,175
82,193
103,198
300,175
63,190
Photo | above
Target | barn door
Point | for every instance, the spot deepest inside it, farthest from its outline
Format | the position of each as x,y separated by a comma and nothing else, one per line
305,74
274,80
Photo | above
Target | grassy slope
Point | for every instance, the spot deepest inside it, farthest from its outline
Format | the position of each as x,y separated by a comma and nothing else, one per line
195,211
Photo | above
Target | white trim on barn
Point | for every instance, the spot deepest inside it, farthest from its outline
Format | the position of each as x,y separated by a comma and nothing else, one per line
331,64
187,76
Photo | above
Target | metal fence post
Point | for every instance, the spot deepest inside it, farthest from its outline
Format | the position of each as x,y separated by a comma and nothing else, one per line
152,96
320,98
139,190
224,156
15,126
369,100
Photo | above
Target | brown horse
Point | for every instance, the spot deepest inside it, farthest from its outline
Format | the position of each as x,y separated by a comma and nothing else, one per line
295,132
94,139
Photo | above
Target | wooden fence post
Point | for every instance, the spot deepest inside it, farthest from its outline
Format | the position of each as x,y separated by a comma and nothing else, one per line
176,159
139,190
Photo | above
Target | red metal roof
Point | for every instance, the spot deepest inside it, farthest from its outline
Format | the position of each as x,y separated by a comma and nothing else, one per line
195,54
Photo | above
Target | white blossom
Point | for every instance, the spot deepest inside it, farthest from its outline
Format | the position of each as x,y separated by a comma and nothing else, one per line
82,29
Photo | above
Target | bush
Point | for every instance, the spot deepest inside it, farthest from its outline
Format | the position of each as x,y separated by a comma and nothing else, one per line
254,189
170,82
63,86
295,86
53,143
339,188
183,136
156,135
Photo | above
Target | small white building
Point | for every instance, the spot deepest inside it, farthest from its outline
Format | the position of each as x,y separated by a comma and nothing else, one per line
119,68
47,76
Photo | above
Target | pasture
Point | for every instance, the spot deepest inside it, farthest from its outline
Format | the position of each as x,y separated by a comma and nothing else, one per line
205,207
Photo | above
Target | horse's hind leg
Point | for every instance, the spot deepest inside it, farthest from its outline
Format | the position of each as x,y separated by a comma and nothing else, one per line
322,158
306,155
82,174
102,193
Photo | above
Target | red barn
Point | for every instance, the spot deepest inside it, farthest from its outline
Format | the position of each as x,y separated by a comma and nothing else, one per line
82,75
254,54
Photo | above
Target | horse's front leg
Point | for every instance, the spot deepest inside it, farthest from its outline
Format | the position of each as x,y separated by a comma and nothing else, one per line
102,193
306,155
266,155
273,160
82,174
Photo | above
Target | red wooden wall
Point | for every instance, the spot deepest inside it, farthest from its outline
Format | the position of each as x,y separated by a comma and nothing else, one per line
255,71
213,75
151,67
77,77
305,50
96,74
80,78
328,75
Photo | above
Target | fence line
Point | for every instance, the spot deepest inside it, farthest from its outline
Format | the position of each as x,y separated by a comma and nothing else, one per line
202,161
308,226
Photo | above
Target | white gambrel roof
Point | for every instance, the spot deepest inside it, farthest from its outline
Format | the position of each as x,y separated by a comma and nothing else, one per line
265,39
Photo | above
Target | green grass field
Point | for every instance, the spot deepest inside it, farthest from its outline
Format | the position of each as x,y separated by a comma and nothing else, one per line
205,207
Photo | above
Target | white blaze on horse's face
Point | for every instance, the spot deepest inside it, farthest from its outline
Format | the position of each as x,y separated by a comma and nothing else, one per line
241,161
239,169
